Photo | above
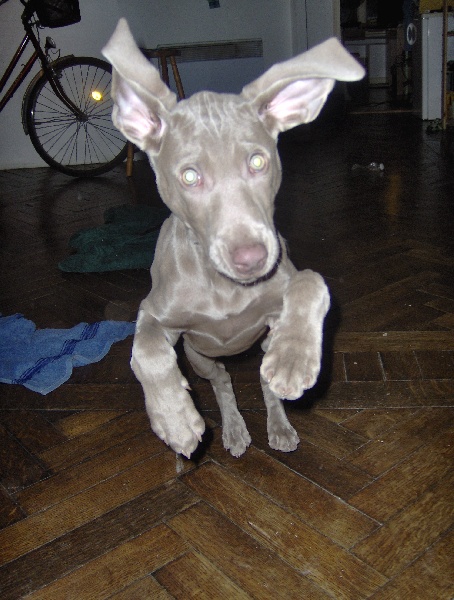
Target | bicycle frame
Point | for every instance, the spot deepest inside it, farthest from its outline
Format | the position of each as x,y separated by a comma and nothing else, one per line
38,54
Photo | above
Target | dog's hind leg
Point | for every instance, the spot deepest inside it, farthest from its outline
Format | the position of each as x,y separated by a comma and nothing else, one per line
235,435
281,435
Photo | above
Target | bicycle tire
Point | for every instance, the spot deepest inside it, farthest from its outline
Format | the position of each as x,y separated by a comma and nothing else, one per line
80,148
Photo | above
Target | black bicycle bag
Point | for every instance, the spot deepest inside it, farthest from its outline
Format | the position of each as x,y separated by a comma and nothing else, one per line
57,13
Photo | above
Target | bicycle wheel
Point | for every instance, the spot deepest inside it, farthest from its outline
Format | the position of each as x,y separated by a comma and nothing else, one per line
76,146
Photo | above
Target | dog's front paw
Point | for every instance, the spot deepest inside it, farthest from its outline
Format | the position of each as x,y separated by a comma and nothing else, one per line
290,371
181,427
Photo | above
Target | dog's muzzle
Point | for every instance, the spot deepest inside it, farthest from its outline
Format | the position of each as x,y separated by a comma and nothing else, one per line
247,264
249,260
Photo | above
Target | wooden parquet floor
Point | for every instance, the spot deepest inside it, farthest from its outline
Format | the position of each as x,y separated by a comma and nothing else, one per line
93,505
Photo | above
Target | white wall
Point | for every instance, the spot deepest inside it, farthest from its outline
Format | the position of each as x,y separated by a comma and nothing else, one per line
323,20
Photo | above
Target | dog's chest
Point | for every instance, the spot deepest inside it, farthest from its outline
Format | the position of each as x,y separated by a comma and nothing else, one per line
216,332
226,337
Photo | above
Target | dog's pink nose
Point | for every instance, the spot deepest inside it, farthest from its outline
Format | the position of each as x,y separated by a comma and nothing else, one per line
249,259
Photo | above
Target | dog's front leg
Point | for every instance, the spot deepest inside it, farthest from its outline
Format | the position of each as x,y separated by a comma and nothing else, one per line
292,360
172,413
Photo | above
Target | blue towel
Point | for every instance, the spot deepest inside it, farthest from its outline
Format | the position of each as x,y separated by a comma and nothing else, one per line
43,359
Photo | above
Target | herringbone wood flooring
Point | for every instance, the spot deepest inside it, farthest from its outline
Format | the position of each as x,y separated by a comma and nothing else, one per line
93,505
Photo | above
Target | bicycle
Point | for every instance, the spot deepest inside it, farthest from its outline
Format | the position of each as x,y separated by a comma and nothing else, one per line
66,109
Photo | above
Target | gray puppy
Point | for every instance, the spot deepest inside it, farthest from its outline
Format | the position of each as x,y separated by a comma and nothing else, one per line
221,277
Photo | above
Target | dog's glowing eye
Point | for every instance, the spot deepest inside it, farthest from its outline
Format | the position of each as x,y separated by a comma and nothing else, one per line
190,177
257,163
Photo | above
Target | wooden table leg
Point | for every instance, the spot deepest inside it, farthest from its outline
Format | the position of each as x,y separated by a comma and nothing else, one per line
129,159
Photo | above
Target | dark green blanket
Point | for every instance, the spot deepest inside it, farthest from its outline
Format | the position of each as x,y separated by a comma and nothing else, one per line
126,241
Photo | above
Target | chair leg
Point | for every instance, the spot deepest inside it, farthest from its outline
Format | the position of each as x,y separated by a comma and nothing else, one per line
176,76
129,159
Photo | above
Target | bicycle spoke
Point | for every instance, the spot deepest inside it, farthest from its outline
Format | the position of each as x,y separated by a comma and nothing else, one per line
110,136
53,138
94,148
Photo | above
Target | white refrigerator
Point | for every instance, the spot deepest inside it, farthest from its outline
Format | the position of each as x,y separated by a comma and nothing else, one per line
427,63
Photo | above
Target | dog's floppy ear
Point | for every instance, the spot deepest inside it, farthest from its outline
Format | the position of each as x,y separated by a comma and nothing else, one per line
293,92
142,100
